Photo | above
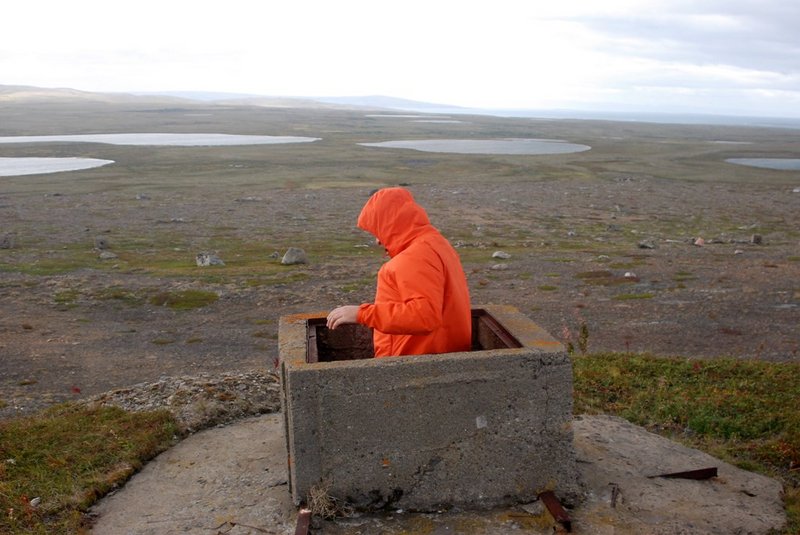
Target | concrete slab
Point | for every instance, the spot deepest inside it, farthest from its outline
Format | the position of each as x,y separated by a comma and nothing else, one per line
232,480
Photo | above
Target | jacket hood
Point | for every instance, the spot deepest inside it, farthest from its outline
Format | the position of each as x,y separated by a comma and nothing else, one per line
393,216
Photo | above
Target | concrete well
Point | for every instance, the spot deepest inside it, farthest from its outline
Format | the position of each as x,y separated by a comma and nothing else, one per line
474,429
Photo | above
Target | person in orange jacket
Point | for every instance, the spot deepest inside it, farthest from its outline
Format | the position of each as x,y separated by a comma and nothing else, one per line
422,300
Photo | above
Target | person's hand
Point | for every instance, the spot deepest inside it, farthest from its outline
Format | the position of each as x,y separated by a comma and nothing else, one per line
342,315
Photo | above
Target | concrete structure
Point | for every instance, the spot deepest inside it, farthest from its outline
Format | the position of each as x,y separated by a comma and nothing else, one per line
473,429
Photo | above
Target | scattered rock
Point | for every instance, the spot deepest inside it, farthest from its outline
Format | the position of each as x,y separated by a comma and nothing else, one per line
142,197
294,255
275,255
208,259
572,233
699,242
202,401
630,275
249,199
107,255
796,190
738,251
8,241
500,267
501,255
101,243
756,239
647,244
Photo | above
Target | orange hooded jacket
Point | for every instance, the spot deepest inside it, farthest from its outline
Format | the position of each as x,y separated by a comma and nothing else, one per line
422,299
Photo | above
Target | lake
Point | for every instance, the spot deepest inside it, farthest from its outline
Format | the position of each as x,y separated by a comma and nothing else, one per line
485,146
38,166
781,164
173,140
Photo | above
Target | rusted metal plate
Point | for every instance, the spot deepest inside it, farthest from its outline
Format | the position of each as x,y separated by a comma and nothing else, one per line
701,473
554,506
303,522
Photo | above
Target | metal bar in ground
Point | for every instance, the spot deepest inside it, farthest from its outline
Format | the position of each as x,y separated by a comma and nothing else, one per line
554,506
303,522
701,473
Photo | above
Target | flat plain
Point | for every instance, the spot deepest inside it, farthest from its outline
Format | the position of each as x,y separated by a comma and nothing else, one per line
600,242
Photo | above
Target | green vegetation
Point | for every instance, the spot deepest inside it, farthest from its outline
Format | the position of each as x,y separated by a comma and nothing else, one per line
744,412
628,297
56,464
184,299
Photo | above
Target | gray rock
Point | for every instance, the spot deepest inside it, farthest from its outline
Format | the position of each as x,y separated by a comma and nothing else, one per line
756,239
501,254
8,241
101,243
647,244
107,255
208,259
294,255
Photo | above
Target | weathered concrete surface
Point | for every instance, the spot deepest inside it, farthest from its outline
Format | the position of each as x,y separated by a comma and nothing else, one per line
473,429
228,480
222,480
614,452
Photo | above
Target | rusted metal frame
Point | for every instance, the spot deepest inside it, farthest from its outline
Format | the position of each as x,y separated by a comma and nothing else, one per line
303,522
699,474
508,339
312,351
554,506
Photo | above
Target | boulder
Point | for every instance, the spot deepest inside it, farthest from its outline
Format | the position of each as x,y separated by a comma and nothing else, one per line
294,255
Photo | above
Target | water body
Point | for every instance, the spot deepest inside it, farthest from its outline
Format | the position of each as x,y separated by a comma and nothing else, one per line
173,140
485,146
781,164
38,166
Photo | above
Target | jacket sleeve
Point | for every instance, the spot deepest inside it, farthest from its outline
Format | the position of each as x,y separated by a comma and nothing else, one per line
410,296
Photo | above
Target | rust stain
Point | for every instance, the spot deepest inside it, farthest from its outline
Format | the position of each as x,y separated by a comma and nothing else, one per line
546,343
303,316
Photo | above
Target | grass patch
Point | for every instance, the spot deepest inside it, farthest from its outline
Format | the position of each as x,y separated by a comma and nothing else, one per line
629,297
184,299
744,412
681,276
66,299
69,456
602,277
120,294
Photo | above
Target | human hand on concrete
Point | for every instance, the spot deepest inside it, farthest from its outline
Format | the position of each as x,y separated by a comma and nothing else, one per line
342,315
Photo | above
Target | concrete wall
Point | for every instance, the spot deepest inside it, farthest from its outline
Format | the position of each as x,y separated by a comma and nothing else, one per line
474,429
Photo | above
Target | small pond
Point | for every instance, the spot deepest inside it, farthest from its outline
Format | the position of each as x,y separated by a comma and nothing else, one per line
485,146
38,166
781,164
173,140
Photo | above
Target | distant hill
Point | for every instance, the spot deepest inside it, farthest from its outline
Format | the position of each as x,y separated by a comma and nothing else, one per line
23,93
28,94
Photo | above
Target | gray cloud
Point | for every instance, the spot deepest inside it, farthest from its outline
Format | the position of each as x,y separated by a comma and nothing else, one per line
759,36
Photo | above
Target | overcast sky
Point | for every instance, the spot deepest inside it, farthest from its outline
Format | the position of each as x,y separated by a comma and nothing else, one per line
705,56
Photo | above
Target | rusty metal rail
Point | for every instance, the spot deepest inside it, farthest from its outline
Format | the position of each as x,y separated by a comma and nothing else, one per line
303,522
701,473
554,506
